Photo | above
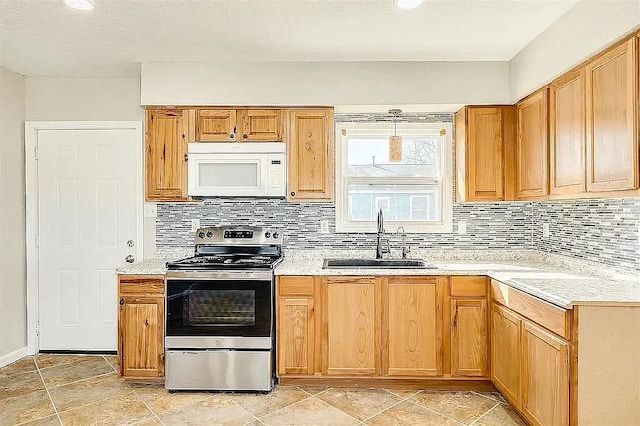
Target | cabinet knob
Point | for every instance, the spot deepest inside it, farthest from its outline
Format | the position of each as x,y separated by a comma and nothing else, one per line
244,136
231,135
293,193
121,302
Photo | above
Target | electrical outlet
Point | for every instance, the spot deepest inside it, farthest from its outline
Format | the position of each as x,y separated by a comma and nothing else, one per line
545,230
324,226
150,210
462,227
195,224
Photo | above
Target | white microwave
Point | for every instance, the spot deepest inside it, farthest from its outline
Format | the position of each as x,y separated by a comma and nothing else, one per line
237,169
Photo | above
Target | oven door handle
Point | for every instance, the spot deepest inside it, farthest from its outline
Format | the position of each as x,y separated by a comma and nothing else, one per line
219,275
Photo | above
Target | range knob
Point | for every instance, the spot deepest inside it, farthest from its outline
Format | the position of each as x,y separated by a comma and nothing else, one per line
201,234
210,234
276,235
267,234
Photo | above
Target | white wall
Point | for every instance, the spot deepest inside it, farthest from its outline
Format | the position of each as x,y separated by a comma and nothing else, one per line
13,287
325,83
85,99
584,30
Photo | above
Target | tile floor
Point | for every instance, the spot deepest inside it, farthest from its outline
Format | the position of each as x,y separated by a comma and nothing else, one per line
83,390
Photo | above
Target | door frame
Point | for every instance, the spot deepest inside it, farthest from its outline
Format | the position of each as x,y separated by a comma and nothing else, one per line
31,130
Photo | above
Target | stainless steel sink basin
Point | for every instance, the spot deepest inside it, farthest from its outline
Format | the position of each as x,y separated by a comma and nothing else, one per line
376,263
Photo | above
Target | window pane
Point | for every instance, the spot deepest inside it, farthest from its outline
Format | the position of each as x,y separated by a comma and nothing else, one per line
398,202
370,157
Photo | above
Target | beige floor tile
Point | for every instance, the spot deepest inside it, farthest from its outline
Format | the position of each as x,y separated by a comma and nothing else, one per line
161,401
408,413
88,391
13,385
360,403
310,411
464,407
151,421
115,411
404,393
314,390
72,372
497,396
209,412
52,360
47,421
260,405
21,409
23,365
502,415
113,361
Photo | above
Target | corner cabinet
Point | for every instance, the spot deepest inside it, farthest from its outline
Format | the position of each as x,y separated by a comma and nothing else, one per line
485,139
166,154
311,155
532,175
612,119
141,327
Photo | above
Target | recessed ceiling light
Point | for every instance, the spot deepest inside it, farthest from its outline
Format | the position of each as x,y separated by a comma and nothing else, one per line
408,4
81,4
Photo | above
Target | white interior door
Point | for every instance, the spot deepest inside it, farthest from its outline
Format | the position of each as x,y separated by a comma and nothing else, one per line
88,212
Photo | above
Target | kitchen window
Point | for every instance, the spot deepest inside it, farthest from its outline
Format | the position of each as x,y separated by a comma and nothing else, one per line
413,188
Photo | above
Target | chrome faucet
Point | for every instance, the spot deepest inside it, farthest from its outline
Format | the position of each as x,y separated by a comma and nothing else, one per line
405,248
380,250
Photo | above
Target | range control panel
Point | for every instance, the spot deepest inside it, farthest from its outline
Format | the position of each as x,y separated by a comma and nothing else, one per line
235,235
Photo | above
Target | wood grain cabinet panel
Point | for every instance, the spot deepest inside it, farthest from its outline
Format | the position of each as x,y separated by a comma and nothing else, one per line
506,353
216,125
612,119
296,336
141,329
413,328
479,146
567,135
260,125
545,373
352,326
531,147
469,338
166,151
311,155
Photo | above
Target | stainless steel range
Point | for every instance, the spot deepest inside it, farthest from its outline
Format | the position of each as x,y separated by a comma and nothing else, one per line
220,305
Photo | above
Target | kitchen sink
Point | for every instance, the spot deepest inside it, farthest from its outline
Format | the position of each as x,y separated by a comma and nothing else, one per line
376,263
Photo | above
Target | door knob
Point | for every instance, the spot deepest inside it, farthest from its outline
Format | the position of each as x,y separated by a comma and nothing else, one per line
130,259
130,243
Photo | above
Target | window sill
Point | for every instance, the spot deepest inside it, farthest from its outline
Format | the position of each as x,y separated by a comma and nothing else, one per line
391,228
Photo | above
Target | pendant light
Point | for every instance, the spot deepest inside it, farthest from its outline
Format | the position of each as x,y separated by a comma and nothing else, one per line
395,141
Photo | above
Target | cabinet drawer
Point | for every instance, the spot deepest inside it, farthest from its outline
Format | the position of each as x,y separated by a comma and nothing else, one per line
468,286
142,284
553,318
295,286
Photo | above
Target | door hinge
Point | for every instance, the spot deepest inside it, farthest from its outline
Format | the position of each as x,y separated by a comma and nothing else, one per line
37,329
37,241
35,152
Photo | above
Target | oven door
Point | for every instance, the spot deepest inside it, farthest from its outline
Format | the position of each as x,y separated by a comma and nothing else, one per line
219,310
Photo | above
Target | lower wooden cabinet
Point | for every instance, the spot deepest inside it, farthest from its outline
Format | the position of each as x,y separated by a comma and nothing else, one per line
469,338
141,327
296,335
505,352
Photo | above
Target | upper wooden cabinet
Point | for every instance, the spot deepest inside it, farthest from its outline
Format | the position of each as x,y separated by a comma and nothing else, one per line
413,327
166,155
531,147
260,125
567,135
484,138
612,119
311,155
215,125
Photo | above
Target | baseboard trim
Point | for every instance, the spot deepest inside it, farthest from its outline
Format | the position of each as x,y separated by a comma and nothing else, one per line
12,357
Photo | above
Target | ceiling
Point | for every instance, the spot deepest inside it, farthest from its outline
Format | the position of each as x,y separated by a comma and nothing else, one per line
46,38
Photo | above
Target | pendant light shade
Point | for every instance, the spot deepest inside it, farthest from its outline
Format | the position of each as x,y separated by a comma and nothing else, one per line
395,141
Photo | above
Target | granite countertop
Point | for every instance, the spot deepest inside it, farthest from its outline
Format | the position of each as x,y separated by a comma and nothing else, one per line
561,281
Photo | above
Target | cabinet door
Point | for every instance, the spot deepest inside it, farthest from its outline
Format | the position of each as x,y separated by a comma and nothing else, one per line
216,125
611,113
484,155
413,327
532,175
469,340
311,158
545,373
566,135
166,151
296,336
141,336
352,326
262,125
506,352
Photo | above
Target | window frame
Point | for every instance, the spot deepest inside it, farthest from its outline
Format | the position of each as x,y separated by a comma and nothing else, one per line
444,182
